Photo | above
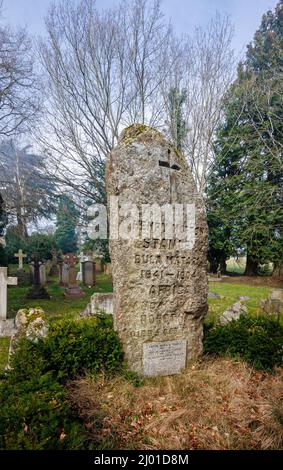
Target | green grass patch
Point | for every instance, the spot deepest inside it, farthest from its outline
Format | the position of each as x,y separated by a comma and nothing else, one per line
230,293
58,306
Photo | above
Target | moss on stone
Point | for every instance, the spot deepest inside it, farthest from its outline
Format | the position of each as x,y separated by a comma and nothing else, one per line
131,133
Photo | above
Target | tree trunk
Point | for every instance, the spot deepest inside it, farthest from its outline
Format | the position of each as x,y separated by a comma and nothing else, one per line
252,266
223,265
21,226
213,266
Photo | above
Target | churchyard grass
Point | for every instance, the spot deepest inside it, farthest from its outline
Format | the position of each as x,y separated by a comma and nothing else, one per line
58,305
230,293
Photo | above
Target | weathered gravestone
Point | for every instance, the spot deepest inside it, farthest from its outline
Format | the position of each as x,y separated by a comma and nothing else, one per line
63,274
88,273
107,269
54,270
5,281
82,258
98,259
21,274
159,272
42,273
37,291
73,291
20,255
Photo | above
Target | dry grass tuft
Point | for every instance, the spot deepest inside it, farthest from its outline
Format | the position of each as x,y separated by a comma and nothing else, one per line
216,404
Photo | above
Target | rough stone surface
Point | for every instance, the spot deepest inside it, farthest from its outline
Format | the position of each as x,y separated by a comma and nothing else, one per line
30,322
99,303
7,327
160,286
274,303
233,313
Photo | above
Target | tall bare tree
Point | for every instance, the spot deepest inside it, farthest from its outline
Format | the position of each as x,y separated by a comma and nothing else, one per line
18,98
203,72
104,71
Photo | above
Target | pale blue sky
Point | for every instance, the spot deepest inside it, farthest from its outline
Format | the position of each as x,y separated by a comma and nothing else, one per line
185,14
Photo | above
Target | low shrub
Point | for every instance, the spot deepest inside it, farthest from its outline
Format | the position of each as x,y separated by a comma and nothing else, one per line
74,346
35,410
258,340
35,414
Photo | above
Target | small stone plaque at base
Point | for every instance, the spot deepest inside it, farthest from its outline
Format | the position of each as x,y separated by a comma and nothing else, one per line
164,358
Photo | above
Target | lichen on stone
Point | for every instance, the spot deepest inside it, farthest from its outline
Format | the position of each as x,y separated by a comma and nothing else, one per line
131,133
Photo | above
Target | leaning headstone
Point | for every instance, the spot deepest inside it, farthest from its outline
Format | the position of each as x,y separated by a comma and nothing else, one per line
88,273
159,279
5,281
73,291
233,313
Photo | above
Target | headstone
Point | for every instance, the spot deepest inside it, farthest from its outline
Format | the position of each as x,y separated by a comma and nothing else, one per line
73,291
21,274
107,269
37,291
233,313
54,270
99,303
88,273
82,258
98,263
64,274
5,281
20,255
159,270
42,274
274,303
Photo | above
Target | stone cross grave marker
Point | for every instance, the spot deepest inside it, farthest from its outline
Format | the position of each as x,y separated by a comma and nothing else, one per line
20,255
37,291
73,290
82,258
159,270
5,281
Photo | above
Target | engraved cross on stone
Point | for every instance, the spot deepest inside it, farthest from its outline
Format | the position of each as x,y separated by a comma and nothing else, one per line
5,281
21,256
